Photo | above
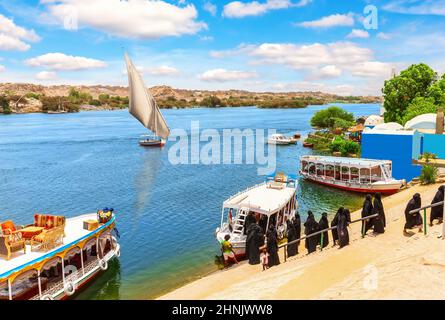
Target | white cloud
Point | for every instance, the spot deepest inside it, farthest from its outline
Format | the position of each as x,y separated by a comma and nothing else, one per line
358,33
383,36
2,68
326,72
329,21
13,37
302,86
143,19
60,61
210,8
46,75
161,71
372,69
223,75
238,9
419,7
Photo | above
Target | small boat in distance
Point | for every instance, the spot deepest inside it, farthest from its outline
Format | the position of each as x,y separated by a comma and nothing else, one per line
279,139
59,110
358,175
142,106
308,145
272,202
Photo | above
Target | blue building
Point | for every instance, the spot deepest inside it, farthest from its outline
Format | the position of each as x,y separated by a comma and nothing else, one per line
396,146
428,142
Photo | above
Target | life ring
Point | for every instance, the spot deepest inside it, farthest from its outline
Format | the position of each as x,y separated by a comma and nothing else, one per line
69,288
103,264
47,297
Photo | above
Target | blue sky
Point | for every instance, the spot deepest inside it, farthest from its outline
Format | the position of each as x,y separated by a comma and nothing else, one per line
263,45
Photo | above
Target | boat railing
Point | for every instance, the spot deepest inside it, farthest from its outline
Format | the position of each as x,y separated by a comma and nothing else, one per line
437,204
243,191
284,245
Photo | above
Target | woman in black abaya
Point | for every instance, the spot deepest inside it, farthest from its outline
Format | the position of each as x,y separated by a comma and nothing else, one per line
272,249
413,219
297,225
380,220
310,227
437,212
342,228
291,236
366,212
334,223
324,224
254,241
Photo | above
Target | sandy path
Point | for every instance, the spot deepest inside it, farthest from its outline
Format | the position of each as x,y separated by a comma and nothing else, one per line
386,266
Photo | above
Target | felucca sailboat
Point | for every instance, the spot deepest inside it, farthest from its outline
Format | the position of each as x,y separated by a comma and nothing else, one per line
143,107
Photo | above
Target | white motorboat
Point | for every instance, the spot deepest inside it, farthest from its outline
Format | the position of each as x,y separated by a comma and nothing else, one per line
279,139
273,203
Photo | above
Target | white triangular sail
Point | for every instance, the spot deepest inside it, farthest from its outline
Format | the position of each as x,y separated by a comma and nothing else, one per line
142,104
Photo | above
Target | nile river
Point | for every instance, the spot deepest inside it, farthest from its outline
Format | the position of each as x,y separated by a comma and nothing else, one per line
69,164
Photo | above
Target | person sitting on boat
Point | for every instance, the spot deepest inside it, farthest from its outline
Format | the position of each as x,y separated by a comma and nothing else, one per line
291,236
249,220
342,228
227,250
334,223
310,227
437,212
323,224
264,257
254,240
413,219
367,211
380,220
272,248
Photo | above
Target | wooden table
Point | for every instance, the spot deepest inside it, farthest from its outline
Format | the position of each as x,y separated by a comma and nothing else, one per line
29,232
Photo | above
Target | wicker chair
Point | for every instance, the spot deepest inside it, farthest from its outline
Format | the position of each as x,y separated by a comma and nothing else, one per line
11,243
48,239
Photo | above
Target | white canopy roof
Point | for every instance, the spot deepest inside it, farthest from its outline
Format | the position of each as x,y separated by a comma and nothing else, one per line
262,198
388,126
343,161
424,121
374,120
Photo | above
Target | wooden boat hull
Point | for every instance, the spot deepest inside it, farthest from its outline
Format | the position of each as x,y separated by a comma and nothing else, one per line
308,145
389,188
152,143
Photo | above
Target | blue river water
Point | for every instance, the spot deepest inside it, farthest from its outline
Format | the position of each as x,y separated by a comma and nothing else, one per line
69,164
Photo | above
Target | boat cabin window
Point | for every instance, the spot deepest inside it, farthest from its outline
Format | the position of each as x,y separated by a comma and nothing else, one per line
365,175
25,286
320,169
304,166
104,244
345,173
329,171
376,174
51,273
311,168
4,290
72,261
354,174
89,252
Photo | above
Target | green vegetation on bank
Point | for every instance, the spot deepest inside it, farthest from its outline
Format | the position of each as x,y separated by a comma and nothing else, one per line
332,118
416,90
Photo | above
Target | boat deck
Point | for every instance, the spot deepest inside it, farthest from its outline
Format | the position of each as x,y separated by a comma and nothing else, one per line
74,232
262,197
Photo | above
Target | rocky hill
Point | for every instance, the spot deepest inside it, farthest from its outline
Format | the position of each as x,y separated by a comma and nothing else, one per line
167,97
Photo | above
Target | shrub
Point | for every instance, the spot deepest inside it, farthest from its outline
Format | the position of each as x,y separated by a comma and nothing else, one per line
419,106
349,146
328,117
336,144
428,174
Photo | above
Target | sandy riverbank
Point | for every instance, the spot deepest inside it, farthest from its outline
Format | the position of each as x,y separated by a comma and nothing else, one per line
387,266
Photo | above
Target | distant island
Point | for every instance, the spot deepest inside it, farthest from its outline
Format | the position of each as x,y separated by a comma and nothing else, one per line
31,98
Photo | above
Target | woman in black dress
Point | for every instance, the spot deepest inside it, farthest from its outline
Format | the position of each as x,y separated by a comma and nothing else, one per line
310,227
297,226
272,249
291,236
334,223
342,228
366,212
323,224
437,212
413,219
380,220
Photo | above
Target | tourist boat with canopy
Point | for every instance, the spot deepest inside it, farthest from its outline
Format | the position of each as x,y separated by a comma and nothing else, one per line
142,106
53,258
352,174
272,202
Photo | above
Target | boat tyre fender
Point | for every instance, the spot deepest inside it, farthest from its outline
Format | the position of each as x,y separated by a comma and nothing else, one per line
47,297
103,264
69,288
117,251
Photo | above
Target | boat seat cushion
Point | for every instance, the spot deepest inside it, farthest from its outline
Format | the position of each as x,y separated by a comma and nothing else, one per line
8,226
48,221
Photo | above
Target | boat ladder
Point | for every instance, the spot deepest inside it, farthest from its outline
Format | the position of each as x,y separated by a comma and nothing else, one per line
239,222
